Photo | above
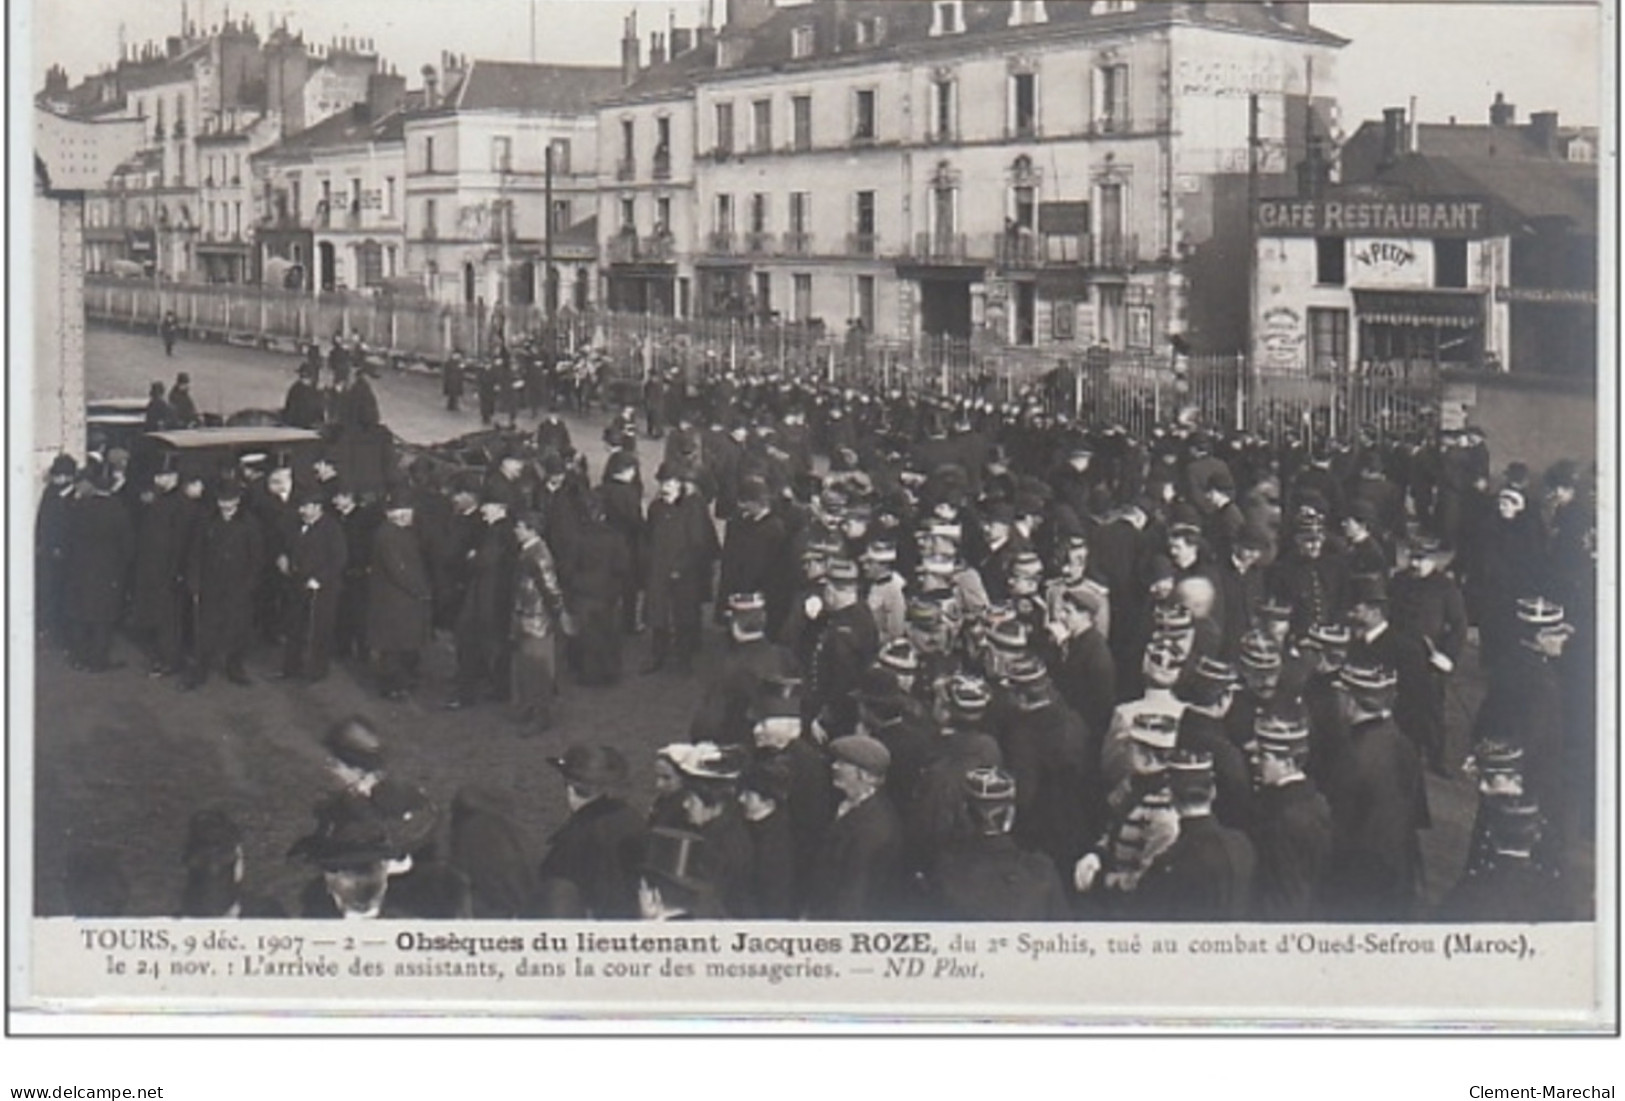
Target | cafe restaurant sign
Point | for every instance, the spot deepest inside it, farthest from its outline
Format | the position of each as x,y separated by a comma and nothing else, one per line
1373,218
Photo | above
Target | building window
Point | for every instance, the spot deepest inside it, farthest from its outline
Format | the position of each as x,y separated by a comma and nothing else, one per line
1328,340
662,215
758,212
724,214
1025,213
863,306
561,215
801,304
629,215
501,154
1450,262
1025,332
389,196
801,116
428,155
761,119
947,17
1111,86
1330,262
628,140
560,148
863,243
662,148
942,109
870,30
431,226
1026,13
800,211
802,41
764,293
725,128
863,126
1064,322
1024,103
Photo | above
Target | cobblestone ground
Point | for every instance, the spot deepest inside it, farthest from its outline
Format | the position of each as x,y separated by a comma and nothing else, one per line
123,760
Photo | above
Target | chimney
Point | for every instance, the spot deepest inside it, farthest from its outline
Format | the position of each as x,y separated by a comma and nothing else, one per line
1395,135
682,40
1502,113
657,48
631,51
385,93
172,45
746,15
1543,131
429,98
1294,13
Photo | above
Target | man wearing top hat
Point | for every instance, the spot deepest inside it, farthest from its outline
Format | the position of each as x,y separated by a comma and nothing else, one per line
1292,823
858,872
158,607
600,846
400,599
223,565
303,406
754,550
723,715
987,875
1379,806
315,573
359,522
1207,873
99,542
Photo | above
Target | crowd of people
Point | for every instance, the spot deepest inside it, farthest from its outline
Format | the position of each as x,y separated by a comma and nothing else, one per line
982,662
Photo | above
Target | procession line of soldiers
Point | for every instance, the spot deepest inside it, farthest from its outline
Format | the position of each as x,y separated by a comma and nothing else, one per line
1131,643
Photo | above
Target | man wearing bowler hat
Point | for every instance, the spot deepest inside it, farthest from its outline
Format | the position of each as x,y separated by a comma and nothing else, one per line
599,847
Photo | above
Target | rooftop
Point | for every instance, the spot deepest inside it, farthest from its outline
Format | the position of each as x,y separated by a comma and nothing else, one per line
354,125
535,89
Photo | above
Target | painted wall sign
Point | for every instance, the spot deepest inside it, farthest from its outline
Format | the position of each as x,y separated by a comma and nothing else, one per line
1366,217
1282,337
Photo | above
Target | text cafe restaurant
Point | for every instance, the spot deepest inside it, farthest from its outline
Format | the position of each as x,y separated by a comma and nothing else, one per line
1386,285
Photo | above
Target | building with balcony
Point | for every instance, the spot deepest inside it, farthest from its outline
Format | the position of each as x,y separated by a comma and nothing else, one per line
646,212
1028,171
330,200
502,171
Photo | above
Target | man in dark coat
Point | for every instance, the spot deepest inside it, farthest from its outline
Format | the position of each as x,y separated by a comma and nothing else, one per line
359,523
1310,578
936,815
180,400
681,545
315,571
483,620
600,846
1379,804
846,646
622,492
987,875
754,553
858,873
303,407
1054,765
400,601
51,550
358,404
724,712
777,735
1292,823
1430,620
1206,875
224,562
100,542
159,416
711,807
595,578
1513,887
451,382
157,606
1081,661
1525,705
764,793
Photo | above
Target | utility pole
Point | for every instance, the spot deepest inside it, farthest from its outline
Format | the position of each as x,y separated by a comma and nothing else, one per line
547,239
1252,227
533,32
1311,155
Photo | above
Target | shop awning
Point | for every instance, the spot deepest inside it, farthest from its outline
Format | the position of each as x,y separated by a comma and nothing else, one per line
1421,309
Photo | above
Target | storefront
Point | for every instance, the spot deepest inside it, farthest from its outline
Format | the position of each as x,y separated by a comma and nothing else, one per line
1400,331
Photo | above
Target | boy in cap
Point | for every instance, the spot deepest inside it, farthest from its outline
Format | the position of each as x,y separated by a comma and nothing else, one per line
986,875
1292,825
1077,652
1379,805
858,873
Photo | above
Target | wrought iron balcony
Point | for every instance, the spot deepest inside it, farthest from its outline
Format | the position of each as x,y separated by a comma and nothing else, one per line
862,244
798,244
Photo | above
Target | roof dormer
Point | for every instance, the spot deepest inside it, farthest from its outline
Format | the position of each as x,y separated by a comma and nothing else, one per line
947,17
1027,13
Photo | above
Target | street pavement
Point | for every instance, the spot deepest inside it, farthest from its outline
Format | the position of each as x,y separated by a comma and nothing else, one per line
122,760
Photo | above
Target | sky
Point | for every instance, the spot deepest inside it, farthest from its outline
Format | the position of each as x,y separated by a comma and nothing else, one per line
1453,57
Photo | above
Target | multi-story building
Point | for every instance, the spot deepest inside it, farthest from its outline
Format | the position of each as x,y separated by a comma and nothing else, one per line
1481,253
225,244
647,224
330,200
495,144
1069,171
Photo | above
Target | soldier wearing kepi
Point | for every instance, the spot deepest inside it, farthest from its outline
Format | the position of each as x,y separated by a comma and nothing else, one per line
1379,804
723,715
1292,823
985,875
1525,703
1513,887
1430,621
846,646
1207,873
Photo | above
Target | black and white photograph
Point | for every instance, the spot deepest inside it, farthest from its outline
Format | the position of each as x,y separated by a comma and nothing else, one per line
1087,466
